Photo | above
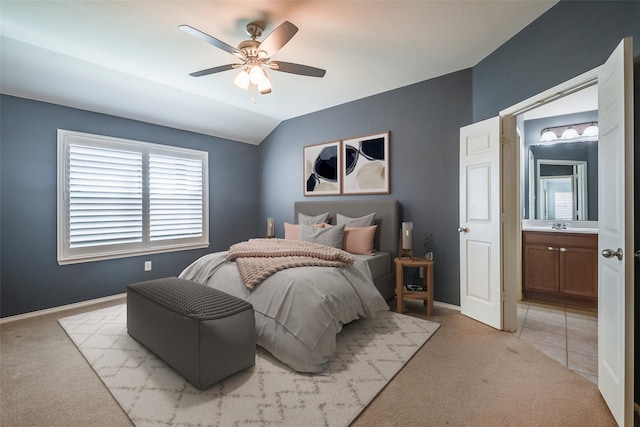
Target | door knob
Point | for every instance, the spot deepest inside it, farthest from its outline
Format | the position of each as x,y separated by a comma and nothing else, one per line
637,255
610,253
462,229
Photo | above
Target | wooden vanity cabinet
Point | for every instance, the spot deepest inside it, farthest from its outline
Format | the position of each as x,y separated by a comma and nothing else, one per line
561,267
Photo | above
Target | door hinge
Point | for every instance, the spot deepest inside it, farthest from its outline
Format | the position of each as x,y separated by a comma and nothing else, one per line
504,139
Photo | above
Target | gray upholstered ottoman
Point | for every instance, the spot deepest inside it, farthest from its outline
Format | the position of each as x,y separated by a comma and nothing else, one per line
202,333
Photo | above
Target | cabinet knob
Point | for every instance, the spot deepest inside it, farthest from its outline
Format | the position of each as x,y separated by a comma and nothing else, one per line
550,248
563,249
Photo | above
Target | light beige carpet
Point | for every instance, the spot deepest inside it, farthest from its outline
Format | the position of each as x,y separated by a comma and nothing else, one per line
369,353
468,374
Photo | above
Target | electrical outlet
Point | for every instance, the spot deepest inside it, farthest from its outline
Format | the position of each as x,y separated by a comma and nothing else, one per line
422,272
147,266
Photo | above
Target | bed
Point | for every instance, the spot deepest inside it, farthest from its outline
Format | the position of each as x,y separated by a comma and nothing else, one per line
386,239
300,310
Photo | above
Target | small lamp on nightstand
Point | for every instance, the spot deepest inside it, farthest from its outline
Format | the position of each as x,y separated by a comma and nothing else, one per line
271,230
406,241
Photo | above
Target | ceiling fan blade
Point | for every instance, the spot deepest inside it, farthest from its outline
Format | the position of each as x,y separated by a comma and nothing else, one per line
214,70
278,38
211,40
289,67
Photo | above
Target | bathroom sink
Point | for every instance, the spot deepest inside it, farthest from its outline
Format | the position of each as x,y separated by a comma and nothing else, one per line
569,229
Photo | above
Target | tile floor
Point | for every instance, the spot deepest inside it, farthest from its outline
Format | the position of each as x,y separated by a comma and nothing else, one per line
568,335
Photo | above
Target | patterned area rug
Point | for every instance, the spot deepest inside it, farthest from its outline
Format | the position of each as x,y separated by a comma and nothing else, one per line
369,353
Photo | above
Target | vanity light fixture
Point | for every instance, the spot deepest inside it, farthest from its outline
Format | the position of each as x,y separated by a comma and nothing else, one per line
569,133
578,132
591,130
548,135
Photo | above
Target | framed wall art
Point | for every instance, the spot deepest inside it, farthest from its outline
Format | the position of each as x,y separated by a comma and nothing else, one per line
365,168
322,169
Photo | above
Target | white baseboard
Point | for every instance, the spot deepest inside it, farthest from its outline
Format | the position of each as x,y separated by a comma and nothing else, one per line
446,305
61,308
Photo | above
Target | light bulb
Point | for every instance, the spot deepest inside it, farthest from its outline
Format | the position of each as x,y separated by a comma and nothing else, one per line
570,134
591,131
265,86
257,75
548,135
242,79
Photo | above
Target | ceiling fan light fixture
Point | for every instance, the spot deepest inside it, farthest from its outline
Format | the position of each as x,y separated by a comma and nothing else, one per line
265,86
243,79
257,75
254,55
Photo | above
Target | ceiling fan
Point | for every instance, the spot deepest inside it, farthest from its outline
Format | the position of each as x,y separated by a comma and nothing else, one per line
255,55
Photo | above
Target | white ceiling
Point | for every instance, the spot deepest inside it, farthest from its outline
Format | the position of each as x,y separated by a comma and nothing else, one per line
129,59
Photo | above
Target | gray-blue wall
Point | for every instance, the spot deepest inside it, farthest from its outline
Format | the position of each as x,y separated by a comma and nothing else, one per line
571,38
424,121
31,278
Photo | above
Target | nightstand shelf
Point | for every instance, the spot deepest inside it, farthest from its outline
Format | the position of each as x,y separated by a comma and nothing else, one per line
402,293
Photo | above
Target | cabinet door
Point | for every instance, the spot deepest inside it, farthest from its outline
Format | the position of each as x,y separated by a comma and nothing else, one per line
541,268
579,272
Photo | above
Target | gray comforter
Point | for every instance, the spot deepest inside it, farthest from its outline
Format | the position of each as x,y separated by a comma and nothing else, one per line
299,310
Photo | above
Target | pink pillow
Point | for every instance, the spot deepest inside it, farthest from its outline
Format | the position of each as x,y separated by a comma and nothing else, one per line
359,240
292,231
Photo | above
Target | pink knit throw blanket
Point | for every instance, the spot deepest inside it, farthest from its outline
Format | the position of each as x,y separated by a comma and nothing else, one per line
258,259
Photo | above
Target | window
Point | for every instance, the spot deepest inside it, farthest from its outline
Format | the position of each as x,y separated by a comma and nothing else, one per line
119,198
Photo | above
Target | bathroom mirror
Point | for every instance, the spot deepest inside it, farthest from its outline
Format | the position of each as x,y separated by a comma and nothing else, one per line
562,190
559,162
565,181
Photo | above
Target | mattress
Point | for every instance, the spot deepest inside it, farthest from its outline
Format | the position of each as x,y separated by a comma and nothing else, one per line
379,264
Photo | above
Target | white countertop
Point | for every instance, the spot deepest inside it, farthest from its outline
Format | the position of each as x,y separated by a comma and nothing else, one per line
585,227
548,229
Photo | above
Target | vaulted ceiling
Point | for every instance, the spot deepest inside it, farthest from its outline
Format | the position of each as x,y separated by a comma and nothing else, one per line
129,59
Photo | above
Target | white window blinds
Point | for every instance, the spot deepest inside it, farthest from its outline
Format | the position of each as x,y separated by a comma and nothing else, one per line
105,196
175,192
121,198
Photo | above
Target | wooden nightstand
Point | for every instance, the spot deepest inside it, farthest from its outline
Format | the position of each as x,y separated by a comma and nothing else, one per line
402,293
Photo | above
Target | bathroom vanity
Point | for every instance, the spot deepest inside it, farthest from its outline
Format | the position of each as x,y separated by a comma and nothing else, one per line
560,265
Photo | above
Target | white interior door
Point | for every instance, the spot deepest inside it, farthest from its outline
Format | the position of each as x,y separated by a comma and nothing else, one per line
480,272
615,240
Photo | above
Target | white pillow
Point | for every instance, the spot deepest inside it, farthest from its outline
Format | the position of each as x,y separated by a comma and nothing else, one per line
325,236
362,221
310,220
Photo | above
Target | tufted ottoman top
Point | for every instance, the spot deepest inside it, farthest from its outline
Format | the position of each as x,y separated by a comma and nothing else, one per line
190,299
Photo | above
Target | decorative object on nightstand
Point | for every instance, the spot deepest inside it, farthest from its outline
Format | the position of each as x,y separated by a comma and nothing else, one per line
271,228
406,241
413,291
427,243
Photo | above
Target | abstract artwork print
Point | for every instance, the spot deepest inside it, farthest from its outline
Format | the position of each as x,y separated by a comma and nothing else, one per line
321,169
366,164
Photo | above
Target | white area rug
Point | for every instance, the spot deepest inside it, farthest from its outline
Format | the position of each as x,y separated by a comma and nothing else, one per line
369,353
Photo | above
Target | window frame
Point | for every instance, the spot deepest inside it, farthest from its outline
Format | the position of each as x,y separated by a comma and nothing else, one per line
67,255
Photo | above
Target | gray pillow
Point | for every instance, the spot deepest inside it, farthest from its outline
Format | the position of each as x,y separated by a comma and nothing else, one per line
310,220
363,221
330,236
